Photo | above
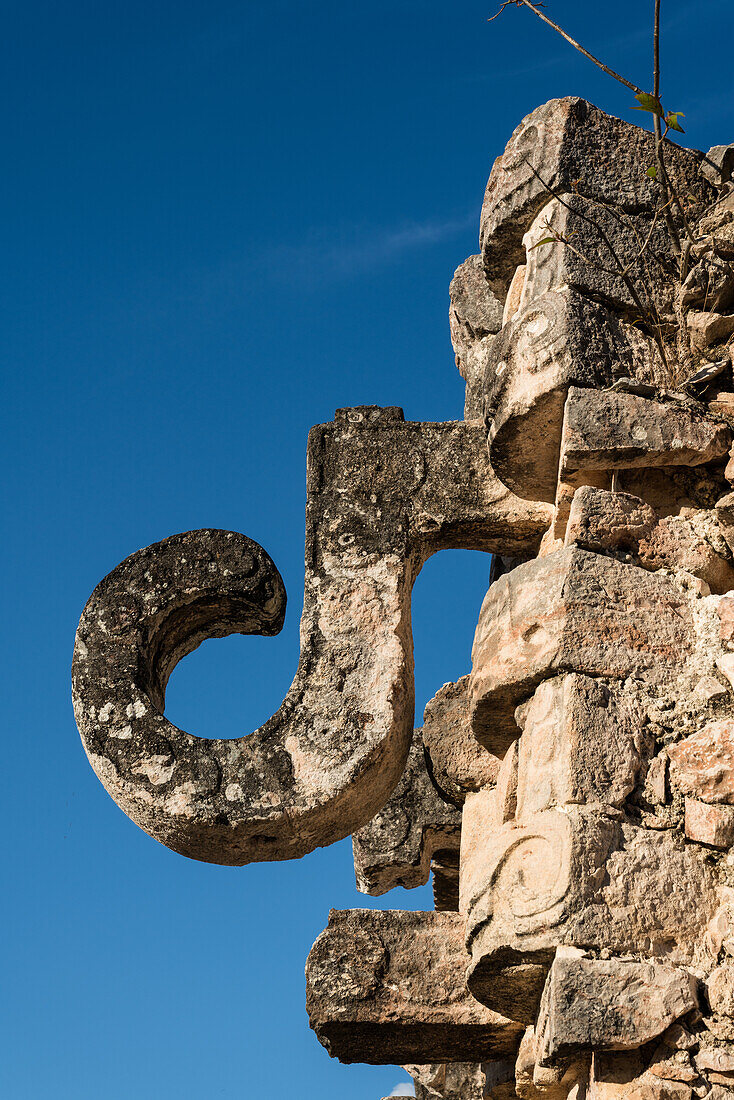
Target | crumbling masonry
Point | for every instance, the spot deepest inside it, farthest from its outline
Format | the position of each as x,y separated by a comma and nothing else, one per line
573,795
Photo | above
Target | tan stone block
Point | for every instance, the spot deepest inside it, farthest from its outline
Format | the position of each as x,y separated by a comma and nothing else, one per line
458,763
387,988
546,617
707,824
561,339
582,742
725,609
676,544
621,431
720,989
578,876
600,520
608,1004
702,765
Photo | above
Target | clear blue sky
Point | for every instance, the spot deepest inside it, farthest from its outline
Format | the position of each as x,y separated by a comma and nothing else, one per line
221,221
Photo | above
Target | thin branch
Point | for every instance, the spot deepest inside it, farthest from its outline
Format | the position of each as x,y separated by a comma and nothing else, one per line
571,41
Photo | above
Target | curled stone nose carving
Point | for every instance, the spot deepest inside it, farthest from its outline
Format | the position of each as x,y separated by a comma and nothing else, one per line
383,495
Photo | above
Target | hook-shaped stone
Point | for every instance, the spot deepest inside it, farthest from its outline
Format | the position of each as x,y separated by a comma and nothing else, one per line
382,496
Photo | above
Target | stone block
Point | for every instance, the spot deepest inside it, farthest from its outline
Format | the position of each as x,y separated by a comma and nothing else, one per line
458,763
571,145
591,244
677,543
388,988
608,1004
578,876
702,765
545,617
617,431
396,847
561,339
582,742
720,989
601,521
475,315
707,824
449,1081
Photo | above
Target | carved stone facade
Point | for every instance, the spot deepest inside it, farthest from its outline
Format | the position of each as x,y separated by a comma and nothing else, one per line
573,794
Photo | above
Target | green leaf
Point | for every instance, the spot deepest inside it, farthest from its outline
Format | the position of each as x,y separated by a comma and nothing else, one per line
652,172
546,240
649,103
671,120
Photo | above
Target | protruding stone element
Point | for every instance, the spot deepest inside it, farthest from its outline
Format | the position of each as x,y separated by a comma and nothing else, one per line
383,495
590,243
601,521
396,847
537,1082
707,824
621,1076
582,743
608,1004
578,876
560,339
718,165
702,765
546,617
475,315
571,145
388,988
458,763
617,431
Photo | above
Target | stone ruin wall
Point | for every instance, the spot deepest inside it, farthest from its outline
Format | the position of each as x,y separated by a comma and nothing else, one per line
572,796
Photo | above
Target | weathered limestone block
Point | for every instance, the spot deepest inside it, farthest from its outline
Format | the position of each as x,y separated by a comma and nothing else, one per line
536,1082
622,1076
720,989
560,339
608,1004
707,824
546,617
383,495
608,431
580,876
458,764
452,1081
676,543
571,145
582,742
600,520
475,315
396,847
596,242
702,765
388,988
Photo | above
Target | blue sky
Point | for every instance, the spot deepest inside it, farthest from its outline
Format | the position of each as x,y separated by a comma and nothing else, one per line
220,222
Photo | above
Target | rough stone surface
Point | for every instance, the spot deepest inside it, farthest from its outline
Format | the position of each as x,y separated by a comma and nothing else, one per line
396,847
475,315
606,431
368,1001
702,765
608,1004
545,617
582,742
457,762
558,340
601,521
707,824
677,543
383,495
565,141
592,243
